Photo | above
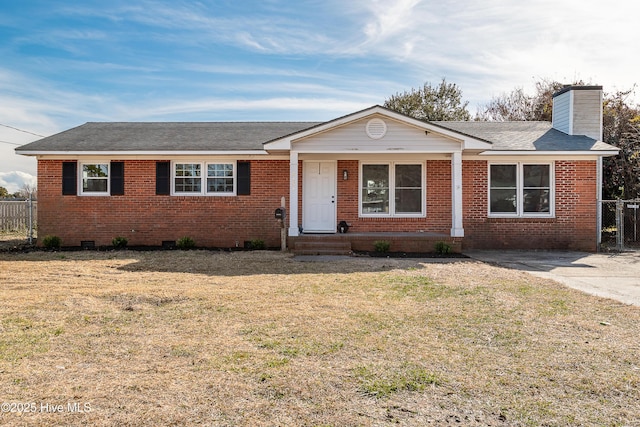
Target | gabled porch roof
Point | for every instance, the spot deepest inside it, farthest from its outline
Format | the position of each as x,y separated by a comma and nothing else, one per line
467,142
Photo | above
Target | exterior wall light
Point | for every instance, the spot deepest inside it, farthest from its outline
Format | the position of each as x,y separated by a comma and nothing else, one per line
345,174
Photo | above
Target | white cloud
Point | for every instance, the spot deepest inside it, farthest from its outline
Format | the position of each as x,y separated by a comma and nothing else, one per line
15,180
494,46
315,61
306,109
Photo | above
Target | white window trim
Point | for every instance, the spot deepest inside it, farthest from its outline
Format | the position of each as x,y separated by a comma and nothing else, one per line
80,171
520,191
392,191
203,178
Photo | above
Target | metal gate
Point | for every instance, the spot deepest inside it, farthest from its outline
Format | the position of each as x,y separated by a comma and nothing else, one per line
19,216
620,225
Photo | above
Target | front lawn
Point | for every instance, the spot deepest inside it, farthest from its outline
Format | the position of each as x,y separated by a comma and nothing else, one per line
261,339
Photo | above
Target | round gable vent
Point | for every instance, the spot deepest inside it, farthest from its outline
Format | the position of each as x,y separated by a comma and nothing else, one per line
376,128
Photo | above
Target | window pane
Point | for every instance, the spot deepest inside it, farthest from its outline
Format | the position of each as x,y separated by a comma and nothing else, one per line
223,169
408,200
220,185
188,185
536,176
375,201
375,176
375,191
503,176
97,185
409,176
95,171
187,169
536,200
503,201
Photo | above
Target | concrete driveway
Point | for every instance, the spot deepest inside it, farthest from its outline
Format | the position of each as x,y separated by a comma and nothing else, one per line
614,275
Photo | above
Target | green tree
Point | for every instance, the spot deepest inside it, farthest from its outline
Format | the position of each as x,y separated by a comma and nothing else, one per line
3,192
443,102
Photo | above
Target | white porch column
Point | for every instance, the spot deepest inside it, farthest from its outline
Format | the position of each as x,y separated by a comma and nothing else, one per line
293,193
456,195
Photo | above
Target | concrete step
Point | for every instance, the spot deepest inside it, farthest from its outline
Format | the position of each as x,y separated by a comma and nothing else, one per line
320,252
322,247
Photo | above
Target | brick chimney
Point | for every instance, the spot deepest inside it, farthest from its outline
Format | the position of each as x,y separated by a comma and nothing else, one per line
577,110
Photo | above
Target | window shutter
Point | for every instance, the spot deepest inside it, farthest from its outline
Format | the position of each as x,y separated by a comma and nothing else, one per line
163,177
117,178
69,179
244,179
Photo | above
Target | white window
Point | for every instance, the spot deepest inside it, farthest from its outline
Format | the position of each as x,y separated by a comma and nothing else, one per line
521,189
392,189
187,178
204,178
94,179
220,178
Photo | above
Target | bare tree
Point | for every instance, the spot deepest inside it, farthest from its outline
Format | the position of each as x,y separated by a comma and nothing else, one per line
518,106
621,128
27,190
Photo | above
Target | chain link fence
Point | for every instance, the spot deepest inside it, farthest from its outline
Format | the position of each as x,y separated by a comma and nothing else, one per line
19,216
620,225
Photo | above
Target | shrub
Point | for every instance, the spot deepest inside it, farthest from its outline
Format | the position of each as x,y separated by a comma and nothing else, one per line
382,246
52,242
443,248
119,242
258,244
185,242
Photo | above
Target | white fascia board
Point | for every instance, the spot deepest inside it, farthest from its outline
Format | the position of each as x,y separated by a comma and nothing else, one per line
469,143
392,151
143,153
604,153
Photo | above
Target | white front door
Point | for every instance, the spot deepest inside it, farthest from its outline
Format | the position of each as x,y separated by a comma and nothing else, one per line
319,197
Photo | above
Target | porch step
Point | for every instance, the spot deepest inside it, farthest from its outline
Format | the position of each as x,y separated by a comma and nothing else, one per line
345,244
322,247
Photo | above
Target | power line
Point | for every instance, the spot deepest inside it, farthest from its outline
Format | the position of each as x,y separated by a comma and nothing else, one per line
10,143
21,130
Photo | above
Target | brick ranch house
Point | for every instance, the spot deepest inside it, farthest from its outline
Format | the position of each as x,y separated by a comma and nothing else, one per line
390,177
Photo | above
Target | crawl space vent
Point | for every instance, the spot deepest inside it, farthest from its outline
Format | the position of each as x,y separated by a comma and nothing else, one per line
376,128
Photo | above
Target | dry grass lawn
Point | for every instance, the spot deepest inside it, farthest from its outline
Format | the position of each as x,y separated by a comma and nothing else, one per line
262,339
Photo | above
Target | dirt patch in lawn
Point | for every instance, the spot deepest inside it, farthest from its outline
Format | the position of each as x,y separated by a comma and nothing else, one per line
258,338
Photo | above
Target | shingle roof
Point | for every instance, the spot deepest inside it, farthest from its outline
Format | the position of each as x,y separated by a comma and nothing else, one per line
250,136
525,136
166,136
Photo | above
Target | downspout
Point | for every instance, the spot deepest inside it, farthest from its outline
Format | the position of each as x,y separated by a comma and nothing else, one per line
599,203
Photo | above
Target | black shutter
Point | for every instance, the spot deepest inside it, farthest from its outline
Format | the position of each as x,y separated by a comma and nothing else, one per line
244,179
163,187
117,178
69,179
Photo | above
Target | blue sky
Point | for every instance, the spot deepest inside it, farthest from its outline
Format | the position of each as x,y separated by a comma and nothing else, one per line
64,63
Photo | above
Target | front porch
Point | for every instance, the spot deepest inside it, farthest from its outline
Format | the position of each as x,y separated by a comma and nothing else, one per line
345,244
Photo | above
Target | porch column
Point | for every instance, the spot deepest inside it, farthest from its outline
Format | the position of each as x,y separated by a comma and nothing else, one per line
456,195
293,193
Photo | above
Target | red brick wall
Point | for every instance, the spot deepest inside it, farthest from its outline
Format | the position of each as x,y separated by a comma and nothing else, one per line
147,219
574,225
